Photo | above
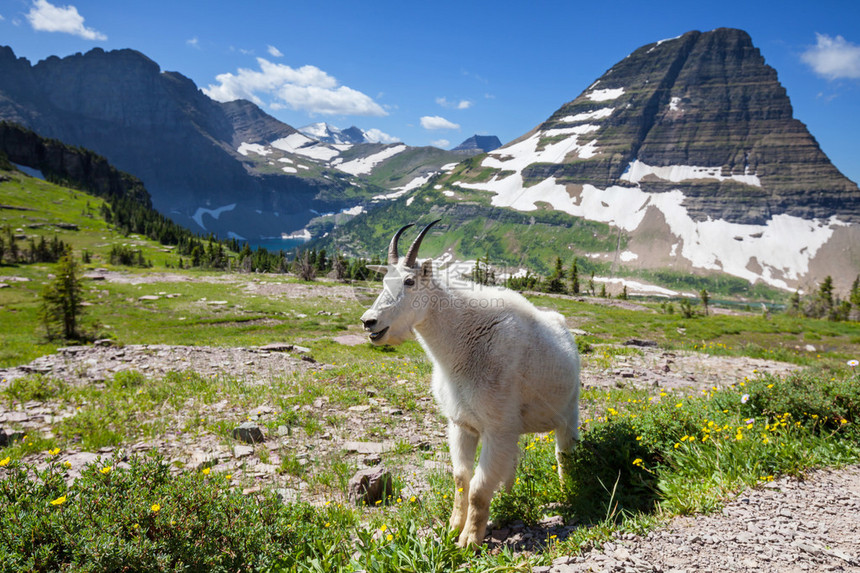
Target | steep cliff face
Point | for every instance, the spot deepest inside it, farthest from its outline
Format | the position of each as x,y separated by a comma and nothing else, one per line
689,148
160,127
81,168
704,100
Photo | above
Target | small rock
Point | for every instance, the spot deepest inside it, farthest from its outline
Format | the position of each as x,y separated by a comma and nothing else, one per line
201,460
147,297
277,347
287,495
242,451
368,447
249,432
371,486
641,343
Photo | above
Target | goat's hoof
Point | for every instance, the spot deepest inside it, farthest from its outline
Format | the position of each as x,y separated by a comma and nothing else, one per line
469,540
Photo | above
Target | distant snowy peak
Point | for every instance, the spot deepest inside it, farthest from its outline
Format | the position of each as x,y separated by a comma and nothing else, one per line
327,133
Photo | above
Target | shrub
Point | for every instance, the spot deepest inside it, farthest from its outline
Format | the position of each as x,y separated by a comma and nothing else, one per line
141,518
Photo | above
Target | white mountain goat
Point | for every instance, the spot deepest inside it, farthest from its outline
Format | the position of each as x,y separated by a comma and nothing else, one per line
501,368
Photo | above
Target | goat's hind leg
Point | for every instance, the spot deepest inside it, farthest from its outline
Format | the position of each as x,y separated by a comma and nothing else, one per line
566,438
463,443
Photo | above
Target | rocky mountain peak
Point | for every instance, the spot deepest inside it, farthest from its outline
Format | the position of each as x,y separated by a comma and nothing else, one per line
690,147
706,100
479,143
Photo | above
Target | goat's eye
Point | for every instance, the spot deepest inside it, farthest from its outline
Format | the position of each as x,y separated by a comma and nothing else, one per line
409,281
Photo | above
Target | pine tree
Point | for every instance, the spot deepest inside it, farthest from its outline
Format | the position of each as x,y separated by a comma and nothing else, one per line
555,281
62,300
574,277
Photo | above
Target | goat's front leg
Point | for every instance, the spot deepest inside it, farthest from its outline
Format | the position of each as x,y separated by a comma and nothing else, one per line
463,443
498,462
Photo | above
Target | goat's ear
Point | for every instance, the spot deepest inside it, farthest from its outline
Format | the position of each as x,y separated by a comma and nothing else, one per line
427,268
382,269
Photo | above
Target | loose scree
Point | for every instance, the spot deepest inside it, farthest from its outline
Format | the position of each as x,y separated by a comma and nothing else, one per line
501,368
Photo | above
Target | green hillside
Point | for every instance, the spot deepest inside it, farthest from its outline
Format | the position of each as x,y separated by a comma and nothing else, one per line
472,228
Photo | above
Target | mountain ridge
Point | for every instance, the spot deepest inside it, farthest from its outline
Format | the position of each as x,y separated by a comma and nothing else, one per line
227,168
688,150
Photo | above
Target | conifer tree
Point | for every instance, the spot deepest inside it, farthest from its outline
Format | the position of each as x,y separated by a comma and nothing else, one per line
574,277
62,300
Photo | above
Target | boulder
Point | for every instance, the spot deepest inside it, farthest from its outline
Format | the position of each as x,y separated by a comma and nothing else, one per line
249,432
371,486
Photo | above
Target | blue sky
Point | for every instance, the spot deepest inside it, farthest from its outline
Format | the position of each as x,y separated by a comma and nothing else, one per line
439,72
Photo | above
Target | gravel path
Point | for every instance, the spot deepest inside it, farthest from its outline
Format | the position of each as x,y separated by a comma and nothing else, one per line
786,526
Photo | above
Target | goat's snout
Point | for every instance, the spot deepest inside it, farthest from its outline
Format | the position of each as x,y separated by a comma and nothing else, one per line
369,319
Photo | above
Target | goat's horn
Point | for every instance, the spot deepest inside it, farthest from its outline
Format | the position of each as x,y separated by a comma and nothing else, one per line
392,247
413,249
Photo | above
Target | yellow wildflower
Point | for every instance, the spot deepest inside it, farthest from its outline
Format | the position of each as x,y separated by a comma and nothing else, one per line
155,508
106,470
59,501
637,462
67,464
54,452
5,461
205,471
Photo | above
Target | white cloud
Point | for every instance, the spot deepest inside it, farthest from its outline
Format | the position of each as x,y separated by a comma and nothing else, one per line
437,122
440,143
462,104
274,52
45,17
377,136
193,42
833,58
306,88
2,18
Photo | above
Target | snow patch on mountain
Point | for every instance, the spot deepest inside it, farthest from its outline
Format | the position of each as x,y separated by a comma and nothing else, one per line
246,148
601,113
638,170
214,213
364,165
605,95
291,142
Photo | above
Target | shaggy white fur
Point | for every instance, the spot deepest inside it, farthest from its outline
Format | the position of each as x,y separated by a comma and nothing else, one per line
501,368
